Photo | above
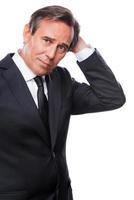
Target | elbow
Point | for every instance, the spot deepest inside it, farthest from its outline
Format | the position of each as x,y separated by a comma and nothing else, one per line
120,101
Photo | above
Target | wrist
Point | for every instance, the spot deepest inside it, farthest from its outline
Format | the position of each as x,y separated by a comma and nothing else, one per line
84,53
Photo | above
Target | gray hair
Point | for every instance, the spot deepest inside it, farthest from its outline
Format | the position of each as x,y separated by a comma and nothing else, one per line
57,13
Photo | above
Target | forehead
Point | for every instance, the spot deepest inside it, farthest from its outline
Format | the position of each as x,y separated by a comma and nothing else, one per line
55,29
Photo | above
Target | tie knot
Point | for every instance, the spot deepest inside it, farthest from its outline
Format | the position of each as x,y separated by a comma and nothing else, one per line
39,81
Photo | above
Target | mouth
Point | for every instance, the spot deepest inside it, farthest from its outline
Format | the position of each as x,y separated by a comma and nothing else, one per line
44,63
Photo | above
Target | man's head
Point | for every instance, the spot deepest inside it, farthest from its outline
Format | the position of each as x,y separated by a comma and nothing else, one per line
50,34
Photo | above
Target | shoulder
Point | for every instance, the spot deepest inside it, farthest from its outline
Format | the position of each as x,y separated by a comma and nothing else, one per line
62,73
6,60
61,76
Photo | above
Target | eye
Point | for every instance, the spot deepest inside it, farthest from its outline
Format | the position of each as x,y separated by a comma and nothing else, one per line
46,40
62,49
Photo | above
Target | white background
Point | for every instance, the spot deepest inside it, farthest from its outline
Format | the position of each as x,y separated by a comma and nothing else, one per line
100,146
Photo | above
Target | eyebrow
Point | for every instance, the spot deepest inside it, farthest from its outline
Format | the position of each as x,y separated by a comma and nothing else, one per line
52,40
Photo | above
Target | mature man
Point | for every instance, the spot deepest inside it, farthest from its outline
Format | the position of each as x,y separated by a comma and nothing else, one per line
34,125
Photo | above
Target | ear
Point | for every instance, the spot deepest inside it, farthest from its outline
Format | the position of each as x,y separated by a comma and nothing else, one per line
26,33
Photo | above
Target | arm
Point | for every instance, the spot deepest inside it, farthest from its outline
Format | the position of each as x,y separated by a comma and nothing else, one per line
103,93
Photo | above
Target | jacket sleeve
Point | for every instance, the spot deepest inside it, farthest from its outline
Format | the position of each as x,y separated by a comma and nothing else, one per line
103,92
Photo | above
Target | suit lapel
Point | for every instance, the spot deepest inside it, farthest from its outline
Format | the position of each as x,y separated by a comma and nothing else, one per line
21,92
54,96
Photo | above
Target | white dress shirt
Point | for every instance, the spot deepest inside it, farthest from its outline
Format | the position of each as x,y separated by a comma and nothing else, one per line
29,76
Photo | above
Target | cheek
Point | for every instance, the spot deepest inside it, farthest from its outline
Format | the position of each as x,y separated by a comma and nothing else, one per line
59,57
56,60
36,46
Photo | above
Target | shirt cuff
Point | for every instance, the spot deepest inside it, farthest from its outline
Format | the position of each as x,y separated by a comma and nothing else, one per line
84,54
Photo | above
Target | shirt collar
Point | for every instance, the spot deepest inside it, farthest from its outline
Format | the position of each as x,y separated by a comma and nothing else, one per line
24,69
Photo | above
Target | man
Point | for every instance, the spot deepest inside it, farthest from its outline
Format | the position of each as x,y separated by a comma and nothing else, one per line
33,133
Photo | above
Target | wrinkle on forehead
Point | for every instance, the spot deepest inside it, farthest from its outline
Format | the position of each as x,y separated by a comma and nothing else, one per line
56,30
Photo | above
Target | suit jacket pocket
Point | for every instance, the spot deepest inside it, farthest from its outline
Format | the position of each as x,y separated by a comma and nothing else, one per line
13,195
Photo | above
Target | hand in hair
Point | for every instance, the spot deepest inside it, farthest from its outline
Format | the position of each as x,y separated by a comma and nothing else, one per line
81,44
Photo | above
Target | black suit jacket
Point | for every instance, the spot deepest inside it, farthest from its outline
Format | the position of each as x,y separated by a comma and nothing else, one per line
32,161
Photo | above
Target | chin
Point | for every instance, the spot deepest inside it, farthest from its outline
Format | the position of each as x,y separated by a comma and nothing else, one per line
43,72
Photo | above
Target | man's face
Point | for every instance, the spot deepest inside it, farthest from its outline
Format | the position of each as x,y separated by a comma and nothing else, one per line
47,46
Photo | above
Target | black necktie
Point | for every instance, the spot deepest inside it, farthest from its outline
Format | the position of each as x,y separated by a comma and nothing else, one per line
42,101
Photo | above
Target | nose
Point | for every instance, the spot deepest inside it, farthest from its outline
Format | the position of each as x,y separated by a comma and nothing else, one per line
51,51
